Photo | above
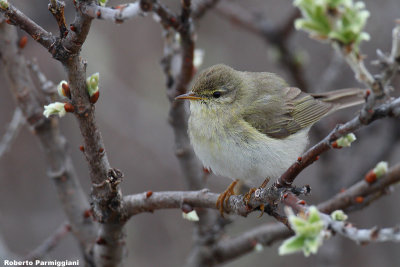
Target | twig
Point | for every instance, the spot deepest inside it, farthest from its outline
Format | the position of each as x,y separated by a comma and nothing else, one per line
50,243
56,8
363,236
201,7
118,14
361,189
19,19
12,131
346,229
47,86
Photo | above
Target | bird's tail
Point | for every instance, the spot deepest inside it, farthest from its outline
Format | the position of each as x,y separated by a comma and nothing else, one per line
342,98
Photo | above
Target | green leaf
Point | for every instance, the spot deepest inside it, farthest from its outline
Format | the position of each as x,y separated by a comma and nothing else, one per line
292,245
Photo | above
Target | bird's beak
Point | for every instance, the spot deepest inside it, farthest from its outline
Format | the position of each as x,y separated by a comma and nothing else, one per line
190,96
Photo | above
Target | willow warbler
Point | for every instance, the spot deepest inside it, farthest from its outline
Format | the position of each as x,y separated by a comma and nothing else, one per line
252,125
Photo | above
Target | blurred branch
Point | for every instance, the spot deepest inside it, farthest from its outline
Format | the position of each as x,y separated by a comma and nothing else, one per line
200,7
49,244
275,35
47,86
116,14
12,131
61,169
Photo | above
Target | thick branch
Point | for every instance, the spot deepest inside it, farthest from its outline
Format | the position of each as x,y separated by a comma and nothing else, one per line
61,170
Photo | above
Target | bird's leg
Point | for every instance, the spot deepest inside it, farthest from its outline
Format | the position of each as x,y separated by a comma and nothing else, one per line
247,196
224,197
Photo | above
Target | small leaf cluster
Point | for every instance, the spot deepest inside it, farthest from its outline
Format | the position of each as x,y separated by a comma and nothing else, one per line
309,233
341,21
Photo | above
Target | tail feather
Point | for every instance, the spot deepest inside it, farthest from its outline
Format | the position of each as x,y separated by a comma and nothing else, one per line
342,98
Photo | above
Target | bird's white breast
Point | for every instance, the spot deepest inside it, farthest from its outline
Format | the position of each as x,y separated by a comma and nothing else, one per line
226,152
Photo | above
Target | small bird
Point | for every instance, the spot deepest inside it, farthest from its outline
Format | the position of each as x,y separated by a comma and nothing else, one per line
252,125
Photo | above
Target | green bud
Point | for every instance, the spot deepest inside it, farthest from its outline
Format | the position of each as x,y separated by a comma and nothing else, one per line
103,2
336,20
381,169
3,4
191,216
339,215
56,108
345,141
92,83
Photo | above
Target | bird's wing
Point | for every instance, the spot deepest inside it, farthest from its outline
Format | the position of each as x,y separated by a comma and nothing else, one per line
281,116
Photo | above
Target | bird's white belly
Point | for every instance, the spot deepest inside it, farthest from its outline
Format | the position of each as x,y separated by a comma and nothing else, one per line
252,160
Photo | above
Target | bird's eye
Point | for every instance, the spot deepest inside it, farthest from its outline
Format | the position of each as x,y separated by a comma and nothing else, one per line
216,94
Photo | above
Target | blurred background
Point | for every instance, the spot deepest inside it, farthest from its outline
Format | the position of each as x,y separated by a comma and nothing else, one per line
132,116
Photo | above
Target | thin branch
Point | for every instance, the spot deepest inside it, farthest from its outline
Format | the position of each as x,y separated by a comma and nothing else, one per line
47,86
201,7
16,17
391,109
50,243
363,236
348,198
12,131
56,8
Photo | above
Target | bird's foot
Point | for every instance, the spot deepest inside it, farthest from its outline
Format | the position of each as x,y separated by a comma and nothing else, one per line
247,196
224,197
